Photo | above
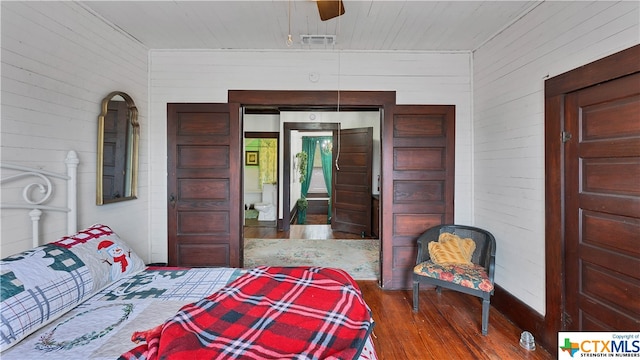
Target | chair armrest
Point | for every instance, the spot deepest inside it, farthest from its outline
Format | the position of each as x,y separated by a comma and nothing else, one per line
490,268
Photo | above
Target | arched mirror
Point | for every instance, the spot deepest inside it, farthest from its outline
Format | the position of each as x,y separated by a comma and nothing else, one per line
118,135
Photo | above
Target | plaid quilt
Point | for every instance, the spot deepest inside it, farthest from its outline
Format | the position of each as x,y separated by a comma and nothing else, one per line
267,313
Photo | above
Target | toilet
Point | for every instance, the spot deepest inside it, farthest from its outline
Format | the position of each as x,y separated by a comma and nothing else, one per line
267,208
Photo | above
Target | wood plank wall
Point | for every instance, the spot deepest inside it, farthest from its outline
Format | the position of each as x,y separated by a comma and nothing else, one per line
58,62
205,76
509,74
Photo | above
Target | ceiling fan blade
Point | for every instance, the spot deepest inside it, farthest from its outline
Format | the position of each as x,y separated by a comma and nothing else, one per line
330,9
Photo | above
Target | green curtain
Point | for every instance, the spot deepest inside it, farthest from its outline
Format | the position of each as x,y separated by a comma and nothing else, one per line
308,146
326,150
268,166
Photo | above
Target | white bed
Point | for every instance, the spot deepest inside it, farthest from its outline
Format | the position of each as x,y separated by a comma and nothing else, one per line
87,295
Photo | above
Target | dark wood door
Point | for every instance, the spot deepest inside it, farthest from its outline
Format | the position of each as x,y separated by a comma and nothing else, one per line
204,177
116,125
602,223
421,167
351,189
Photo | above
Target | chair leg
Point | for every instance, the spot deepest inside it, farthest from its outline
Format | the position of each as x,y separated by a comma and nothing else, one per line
485,316
416,292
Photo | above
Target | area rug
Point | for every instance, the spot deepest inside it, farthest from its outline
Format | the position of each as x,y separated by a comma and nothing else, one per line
360,258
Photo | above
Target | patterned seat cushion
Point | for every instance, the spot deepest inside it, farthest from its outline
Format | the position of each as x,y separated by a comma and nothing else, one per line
468,275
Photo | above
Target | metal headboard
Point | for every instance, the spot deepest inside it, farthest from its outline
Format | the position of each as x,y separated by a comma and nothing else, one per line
44,185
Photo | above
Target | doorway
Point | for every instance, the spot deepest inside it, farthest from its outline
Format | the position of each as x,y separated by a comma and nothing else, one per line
261,164
417,154
299,123
352,167
312,174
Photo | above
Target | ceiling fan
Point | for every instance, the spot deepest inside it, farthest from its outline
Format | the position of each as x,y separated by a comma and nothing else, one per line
329,9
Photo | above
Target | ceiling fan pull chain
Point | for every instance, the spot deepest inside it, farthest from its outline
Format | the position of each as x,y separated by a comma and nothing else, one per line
289,38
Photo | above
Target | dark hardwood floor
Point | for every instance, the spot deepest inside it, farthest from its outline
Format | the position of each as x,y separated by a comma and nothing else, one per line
447,326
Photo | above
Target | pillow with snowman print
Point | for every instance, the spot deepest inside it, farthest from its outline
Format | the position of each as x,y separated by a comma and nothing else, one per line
108,257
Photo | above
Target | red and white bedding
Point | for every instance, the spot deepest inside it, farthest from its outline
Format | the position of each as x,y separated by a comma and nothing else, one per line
268,313
85,296
251,314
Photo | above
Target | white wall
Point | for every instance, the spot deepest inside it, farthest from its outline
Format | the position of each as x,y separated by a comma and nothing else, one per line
206,76
58,62
508,76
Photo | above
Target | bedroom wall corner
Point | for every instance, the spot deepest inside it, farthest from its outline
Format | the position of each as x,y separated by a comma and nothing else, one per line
59,60
509,164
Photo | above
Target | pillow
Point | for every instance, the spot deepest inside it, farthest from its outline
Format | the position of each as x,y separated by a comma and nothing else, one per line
451,249
104,253
41,284
38,286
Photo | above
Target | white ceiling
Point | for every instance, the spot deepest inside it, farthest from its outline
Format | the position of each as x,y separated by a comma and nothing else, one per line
366,25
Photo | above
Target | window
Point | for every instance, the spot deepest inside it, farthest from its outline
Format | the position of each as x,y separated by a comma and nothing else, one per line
317,185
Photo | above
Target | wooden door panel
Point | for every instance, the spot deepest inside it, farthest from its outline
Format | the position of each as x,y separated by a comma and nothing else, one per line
209,158
609,287
407,227
409,125
420,159
203,184
352,218
203,124
613,176
347,177
419,191
203,255
603,206
202,223
595,317
422,179
617,233
357,159
204,189
351,189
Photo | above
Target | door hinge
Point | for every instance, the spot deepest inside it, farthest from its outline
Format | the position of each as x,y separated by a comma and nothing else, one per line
566,136
566,320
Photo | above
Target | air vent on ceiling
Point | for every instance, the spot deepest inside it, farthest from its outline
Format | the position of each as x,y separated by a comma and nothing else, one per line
318,40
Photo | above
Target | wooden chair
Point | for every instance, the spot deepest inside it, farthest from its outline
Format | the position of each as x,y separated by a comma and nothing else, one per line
475,279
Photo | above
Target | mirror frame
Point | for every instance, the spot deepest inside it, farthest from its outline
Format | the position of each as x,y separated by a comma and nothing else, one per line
135,139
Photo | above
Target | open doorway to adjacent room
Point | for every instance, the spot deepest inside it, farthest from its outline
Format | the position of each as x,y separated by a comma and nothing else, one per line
314,178
323,129
260,185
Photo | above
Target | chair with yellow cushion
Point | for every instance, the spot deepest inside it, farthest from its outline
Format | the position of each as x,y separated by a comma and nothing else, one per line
457,257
